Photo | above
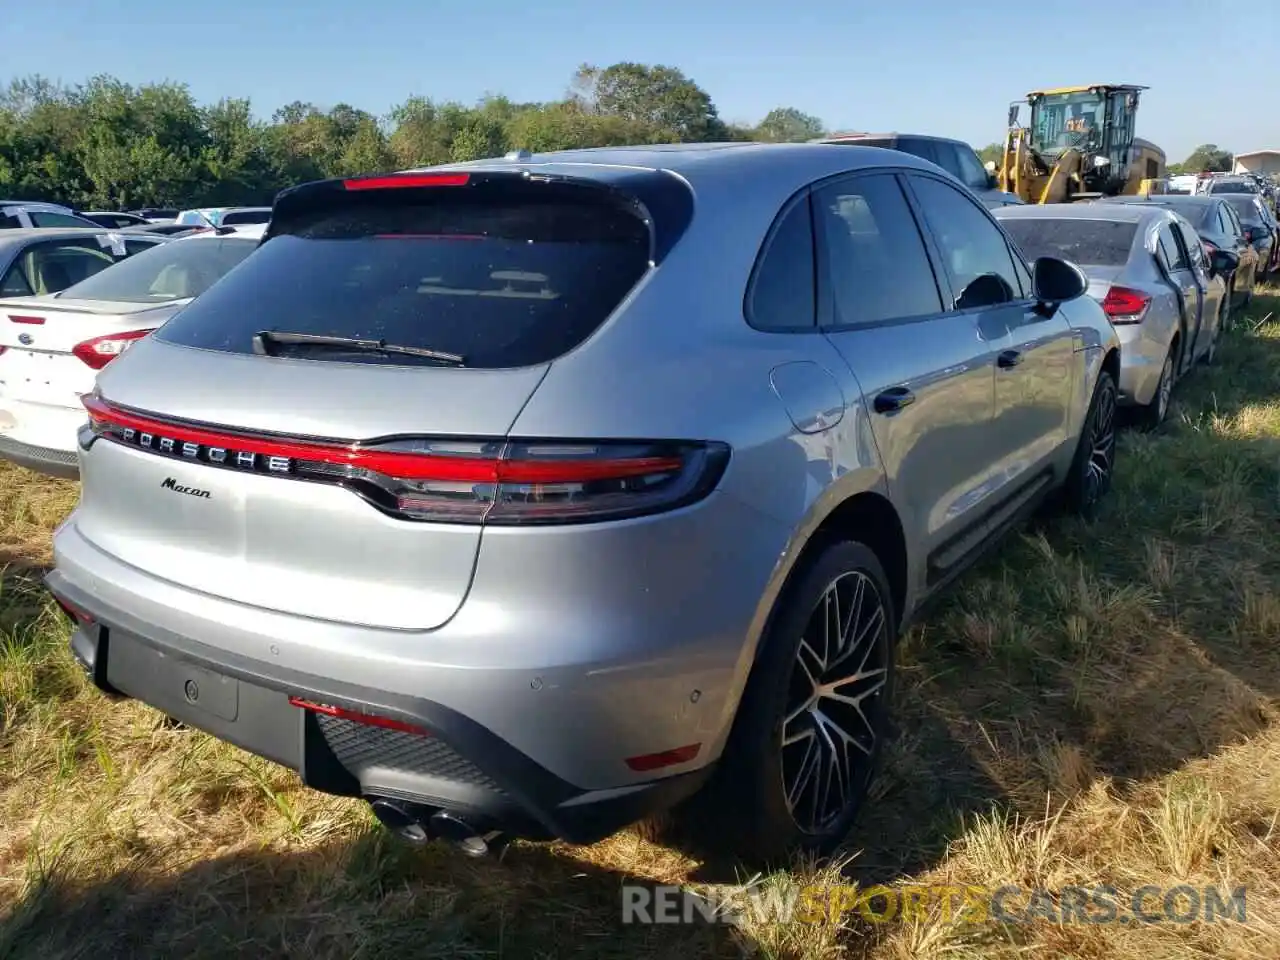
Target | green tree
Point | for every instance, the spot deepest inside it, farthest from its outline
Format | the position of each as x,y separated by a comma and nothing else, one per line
991,153
1208,156
659,97
108,143
789,125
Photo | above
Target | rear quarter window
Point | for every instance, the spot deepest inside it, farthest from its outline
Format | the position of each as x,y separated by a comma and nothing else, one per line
1103,243
504,279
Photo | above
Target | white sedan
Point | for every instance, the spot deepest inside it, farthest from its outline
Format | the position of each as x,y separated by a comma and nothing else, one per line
52,347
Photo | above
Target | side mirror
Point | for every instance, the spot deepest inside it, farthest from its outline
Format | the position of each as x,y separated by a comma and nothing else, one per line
1055,281
1222,261
992,183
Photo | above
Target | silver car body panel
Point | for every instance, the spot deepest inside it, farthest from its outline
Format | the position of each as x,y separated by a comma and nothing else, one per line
582,644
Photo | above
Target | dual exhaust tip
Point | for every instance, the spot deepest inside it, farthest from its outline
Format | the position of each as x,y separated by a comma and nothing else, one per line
419,824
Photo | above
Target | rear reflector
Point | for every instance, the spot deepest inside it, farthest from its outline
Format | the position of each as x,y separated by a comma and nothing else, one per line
36,321
74,612
407,180
667,758
355,716
493,481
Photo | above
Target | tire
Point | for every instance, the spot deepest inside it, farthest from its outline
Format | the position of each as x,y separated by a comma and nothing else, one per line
1155,412
769,798
1087,487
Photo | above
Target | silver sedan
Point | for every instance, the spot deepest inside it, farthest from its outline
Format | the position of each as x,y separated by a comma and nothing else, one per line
1147,267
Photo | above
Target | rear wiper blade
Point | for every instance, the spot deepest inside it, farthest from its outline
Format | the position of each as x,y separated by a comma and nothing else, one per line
263,340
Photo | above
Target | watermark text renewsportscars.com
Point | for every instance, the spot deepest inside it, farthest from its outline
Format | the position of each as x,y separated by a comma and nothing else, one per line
769,903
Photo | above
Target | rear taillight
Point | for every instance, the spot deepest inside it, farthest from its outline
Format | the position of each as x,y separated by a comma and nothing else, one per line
509,482
100,351
21,318
1123,305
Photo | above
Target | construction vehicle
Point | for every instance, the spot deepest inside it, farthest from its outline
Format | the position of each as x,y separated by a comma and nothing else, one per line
1078,145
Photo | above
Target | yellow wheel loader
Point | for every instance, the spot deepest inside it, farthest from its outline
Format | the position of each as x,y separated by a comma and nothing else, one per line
1078,145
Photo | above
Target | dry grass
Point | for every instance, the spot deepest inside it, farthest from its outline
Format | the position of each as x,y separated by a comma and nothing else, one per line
1095,705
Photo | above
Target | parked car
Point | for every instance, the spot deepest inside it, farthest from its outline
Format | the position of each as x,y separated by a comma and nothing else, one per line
38,261
219,216
113,221
157,214
51,348
166,229
542,531
25,215
1229,184
1148,270
954,156
239,216
1219,228
1260,228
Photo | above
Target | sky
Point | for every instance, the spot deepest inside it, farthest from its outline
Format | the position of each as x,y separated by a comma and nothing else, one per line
923,66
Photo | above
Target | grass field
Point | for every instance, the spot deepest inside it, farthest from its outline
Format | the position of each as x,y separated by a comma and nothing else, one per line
1094,705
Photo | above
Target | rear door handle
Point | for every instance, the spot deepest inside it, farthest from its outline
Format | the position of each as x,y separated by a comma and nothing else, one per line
1010,358
893,399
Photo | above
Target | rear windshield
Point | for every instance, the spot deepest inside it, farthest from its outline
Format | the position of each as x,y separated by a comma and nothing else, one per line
245,216
1103,243
497,279
1196,214
1246,207
1231,186
168,271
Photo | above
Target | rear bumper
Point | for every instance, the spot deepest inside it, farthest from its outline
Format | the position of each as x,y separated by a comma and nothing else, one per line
456,764
46,460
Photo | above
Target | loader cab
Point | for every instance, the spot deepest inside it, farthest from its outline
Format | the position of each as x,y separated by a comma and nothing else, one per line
1097,120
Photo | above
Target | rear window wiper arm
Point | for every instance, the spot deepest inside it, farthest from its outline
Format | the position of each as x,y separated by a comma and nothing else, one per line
263,340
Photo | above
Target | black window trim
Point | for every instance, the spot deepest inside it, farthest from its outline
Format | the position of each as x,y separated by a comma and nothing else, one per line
801,196
1026,298
826,305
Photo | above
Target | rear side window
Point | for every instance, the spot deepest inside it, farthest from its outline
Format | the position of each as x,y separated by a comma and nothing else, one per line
501,277
782,292
1246,208
972,173
1103,243
46,218
166,271
976,253
1176,251
45,268
876,266
1194,245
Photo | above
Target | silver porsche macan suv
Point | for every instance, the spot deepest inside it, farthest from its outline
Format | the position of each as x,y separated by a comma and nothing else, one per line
532,496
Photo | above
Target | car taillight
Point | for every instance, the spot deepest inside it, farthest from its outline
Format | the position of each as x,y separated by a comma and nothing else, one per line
100,351
508,482
1123,305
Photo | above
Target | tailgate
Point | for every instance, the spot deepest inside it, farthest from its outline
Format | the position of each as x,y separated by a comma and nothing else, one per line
318,432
